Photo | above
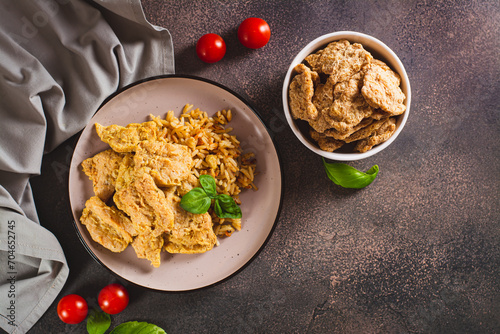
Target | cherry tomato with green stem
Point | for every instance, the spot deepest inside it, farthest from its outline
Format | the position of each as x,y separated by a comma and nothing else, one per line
254,33
113,298
72,309
211,48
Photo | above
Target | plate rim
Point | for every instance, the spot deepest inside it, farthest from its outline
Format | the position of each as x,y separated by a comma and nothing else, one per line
280,168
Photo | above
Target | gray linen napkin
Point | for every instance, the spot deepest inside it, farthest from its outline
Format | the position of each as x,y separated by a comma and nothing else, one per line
59,60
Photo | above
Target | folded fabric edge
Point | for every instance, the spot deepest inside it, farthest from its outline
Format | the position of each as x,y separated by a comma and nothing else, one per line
135,12
40,308
20,236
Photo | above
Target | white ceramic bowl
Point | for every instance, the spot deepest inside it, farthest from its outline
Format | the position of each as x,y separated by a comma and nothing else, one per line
379,51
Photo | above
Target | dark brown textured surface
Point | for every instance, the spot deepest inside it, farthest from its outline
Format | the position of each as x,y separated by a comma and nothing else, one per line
415,252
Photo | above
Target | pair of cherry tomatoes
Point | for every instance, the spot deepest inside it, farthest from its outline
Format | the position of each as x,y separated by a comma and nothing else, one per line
253,33
73,309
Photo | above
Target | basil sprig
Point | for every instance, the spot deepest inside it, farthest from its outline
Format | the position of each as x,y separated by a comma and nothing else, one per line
134,327
349,177
199,200
99,322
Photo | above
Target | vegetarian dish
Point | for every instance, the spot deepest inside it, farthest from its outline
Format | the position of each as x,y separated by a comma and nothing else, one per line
139,183
346,96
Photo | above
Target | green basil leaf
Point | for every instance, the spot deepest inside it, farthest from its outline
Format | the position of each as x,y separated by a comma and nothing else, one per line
217,209
199,200
134,327
98,322
208,184
226,207
349,177
196,201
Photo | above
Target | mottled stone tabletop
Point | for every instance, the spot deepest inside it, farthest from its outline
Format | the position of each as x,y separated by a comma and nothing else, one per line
417,251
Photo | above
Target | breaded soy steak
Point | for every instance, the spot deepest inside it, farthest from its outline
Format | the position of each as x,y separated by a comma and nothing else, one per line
346,96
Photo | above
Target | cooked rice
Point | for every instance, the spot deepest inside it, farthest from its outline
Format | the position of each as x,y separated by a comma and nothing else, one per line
215,152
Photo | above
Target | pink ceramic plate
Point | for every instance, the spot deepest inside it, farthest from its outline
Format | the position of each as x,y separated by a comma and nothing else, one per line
181,272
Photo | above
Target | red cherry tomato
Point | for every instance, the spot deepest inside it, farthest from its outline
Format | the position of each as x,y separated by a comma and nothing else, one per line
254,33
211,48
113,298
72,309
